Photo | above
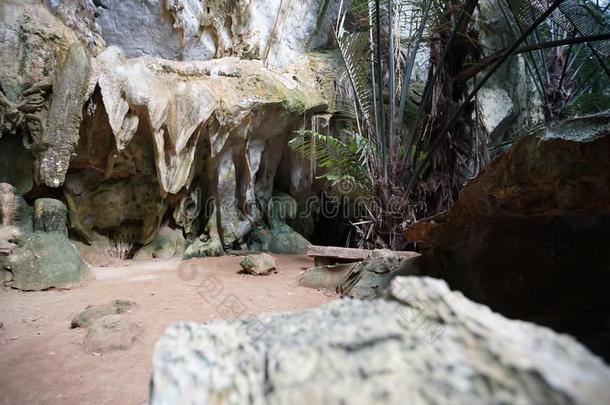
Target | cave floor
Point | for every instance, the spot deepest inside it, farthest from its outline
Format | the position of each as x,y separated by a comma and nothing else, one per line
42,360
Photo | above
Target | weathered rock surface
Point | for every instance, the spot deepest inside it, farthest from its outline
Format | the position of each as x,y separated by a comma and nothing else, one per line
134,140
17,164
97,252
168,243
35,252
50,215
427,344
283,239
369,279
40,57
260,265
14,211
529,236
210,123
189,30
111,332
131,208
508,102
93,312
208,244
9,236
327,277
43,260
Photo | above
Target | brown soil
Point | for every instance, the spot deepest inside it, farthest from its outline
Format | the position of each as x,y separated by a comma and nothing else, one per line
42,360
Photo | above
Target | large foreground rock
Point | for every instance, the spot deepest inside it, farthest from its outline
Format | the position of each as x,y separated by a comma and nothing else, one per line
427,345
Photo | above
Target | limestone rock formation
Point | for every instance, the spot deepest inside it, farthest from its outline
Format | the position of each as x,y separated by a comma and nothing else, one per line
188,30
130,208
41,57
427,344
508,101
208,244
529,236
131,138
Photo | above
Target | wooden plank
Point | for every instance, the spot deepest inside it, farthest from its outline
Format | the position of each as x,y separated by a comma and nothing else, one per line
349,253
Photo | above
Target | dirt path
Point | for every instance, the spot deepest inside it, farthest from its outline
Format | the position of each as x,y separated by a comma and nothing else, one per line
42,360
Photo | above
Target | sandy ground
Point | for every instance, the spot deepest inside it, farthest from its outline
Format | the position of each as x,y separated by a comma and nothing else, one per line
42,360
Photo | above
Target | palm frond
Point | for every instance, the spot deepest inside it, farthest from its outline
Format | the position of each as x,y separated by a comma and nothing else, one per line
339,159
354,50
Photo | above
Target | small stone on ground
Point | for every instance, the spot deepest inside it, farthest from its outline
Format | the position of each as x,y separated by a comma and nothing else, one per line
84,318
261,264
111,332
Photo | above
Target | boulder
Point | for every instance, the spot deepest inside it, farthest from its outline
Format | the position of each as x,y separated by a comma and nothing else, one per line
260,265
208,244
261,237
427,344
168,243
9,237
369,279
111,332
285,240
97,252
42,261
127,206
50,215
93,312
14,211
529,235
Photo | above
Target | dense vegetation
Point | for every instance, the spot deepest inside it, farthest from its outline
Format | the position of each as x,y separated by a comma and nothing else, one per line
409,143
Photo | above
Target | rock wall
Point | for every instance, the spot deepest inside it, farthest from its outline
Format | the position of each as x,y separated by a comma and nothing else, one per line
274,31
508,102
529,236
141,113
